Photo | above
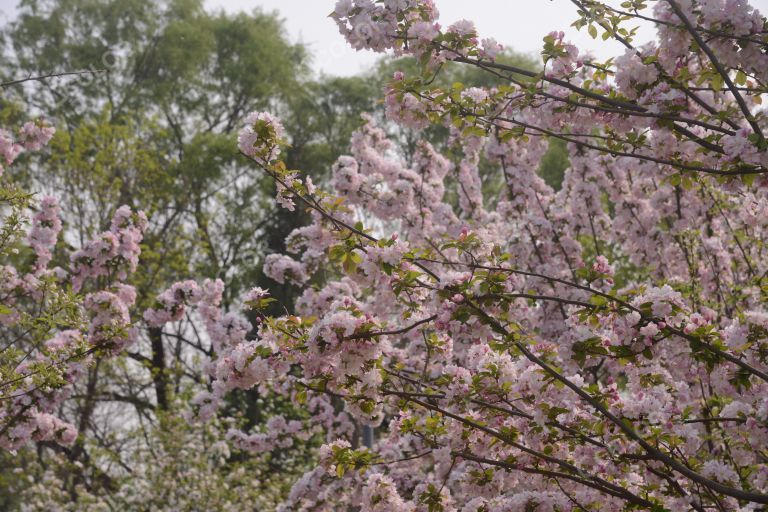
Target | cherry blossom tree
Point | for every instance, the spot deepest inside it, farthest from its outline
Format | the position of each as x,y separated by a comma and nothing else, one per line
602,346
598,347
54,322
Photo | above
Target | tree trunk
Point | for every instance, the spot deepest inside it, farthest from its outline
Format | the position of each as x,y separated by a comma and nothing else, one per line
159,373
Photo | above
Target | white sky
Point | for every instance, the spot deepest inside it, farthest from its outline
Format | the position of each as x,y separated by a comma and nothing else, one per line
519,24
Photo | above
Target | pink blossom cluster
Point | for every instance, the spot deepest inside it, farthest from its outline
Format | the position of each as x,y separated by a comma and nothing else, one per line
46,226
228,335
172,302
28,415
114,252
55,336
261,136
9,149
278,433
282,269
374,25
110,317
33,135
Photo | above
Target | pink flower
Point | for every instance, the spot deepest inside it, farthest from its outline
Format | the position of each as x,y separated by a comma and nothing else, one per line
463,28
602,266
261,136
34,135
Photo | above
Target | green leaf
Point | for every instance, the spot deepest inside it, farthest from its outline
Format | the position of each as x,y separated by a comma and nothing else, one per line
717,82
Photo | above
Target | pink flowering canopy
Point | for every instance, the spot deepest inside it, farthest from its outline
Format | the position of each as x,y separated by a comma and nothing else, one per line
598,347
54,322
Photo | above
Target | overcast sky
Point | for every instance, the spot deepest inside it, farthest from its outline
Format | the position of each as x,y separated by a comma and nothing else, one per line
519,24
